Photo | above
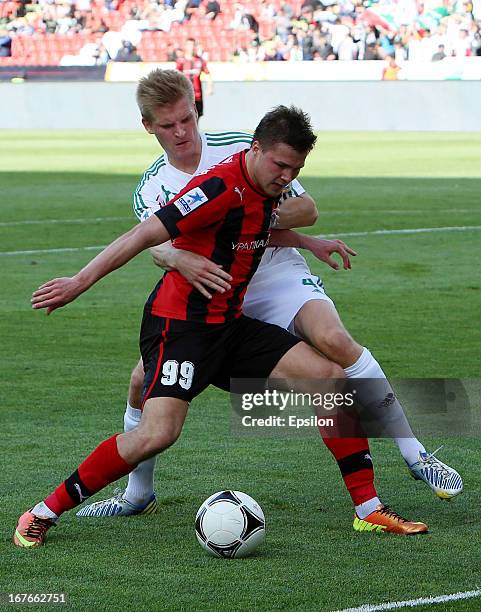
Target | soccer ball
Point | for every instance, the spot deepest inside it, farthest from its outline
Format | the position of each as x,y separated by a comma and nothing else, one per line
230,524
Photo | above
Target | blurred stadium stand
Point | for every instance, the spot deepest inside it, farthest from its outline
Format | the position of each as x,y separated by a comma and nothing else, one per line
90,32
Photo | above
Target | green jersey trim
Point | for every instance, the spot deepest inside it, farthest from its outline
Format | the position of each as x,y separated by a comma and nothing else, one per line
138,203
226,135
224,143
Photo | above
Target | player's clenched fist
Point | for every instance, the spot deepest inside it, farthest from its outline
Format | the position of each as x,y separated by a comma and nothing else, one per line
56,293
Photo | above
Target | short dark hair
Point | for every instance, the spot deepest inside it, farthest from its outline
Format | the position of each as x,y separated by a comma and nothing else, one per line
290,126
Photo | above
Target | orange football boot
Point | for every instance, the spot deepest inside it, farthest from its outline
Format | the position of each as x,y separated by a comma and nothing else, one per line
383,519
31,530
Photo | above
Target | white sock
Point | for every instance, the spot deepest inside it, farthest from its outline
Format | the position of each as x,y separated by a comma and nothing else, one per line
367,367
365,509
42,510
141,480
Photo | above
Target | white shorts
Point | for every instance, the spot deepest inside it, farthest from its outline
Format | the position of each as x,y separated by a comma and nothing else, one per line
281,286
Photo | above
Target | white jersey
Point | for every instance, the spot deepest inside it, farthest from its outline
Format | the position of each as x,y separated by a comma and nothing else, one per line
162,181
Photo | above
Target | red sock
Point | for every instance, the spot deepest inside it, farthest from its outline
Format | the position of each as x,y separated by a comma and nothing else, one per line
101,467
354,460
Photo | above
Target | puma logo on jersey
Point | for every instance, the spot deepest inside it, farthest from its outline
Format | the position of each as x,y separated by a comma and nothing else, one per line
240,192
190,201
81,496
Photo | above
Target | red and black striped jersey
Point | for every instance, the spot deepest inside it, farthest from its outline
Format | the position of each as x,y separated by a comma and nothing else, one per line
222,215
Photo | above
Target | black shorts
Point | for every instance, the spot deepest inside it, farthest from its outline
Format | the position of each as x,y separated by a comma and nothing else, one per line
199,105
182,358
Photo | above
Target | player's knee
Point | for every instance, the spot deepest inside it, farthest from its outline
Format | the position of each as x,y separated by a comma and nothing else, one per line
332,370
336,344
337,371
136,380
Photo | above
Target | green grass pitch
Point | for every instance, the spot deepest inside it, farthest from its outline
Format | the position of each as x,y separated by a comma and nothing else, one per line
413,299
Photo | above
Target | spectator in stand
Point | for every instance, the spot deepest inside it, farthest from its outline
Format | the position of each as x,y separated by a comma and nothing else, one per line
386,44
173,53
284,23
399,53
312,4
191,8
476,44
243,20
328,29
322,44
212,9
347,49
439,55
462,45
267,10
193,66
5,44
128,53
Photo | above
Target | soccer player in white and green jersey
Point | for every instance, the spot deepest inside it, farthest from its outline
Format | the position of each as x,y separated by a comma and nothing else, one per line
283,291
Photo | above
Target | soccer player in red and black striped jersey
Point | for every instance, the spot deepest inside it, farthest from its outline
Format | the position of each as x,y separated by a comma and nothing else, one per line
232,231
188,342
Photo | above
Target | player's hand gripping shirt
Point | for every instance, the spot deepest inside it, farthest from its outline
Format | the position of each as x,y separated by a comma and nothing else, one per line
223,216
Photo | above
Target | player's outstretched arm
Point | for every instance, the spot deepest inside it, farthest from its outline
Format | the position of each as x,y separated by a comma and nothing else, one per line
60,291
203,274
319,247
298,211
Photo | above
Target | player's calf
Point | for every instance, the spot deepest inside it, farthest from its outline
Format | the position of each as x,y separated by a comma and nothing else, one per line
160,426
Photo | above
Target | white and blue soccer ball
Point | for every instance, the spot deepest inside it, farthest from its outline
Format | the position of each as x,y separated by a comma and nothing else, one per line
230,524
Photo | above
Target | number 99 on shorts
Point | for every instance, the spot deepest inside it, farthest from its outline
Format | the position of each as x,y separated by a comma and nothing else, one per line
173,372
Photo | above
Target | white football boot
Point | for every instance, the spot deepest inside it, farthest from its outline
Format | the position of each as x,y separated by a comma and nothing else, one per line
442,479
118,506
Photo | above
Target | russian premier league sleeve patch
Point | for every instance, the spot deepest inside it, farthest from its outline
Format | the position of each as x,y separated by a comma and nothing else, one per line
190,201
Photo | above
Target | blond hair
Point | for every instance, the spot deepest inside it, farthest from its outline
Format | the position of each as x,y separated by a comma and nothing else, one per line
161,87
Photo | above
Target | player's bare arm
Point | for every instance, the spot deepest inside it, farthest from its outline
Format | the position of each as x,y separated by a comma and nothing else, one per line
298,211
60,291
319,247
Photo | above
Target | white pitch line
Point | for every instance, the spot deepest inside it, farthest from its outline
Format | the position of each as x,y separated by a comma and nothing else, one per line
419,230
50,221
393,211
62,250
87,220
411,603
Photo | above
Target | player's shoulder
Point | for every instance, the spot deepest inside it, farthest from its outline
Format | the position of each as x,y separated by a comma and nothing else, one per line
148,187
155,173
224,173
156,166
228,139
225,166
